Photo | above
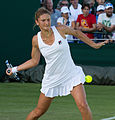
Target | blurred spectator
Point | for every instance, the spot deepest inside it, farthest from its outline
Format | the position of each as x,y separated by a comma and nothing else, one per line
100,2
66,19
100,10
55,14
75,9
106,20
62,3
92,7
86,21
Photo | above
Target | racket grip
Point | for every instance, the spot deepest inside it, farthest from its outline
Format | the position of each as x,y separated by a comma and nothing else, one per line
8,71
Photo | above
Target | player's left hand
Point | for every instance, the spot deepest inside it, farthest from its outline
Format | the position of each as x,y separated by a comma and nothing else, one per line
100,44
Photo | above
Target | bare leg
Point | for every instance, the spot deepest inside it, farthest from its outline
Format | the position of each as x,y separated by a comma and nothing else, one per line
79,96
42,107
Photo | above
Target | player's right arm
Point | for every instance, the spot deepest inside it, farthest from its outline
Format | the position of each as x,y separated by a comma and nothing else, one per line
35,57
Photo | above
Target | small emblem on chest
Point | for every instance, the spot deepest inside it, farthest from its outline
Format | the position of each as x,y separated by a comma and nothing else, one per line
60,42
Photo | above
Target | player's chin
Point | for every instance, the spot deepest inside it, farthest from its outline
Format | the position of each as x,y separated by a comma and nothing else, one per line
46,28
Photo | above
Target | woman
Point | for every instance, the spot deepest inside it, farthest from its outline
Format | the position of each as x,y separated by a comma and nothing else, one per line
61,76
66,19
75,9
86,22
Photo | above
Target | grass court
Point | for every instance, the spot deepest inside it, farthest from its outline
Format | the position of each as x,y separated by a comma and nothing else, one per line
18,99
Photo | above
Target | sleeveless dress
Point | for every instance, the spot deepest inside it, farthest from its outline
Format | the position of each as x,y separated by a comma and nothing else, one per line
61,74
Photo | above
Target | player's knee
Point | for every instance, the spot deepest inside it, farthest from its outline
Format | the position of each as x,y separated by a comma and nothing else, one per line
83,106
38,112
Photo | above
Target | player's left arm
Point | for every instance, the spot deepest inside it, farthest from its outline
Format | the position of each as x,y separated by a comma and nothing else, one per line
80,35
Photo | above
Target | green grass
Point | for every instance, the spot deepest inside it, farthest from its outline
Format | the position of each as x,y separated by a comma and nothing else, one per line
18,99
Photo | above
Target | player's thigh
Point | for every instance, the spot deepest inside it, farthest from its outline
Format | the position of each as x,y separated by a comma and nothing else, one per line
79,94
44,102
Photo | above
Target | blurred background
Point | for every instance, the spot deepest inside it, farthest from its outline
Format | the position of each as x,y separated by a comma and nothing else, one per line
17,21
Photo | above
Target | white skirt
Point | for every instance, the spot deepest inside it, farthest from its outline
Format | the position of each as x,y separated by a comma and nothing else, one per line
64,88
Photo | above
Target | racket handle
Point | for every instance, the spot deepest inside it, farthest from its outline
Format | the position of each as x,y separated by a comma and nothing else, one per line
8,71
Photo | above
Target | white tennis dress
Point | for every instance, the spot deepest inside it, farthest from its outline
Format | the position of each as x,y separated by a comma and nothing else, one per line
61,74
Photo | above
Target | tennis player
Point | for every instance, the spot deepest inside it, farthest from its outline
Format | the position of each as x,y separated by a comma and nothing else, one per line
62,76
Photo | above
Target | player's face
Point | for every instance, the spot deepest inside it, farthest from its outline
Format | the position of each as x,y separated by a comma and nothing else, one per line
44,22
109,12
86,11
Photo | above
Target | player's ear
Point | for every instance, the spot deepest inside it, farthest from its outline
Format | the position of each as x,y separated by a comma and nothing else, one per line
36,21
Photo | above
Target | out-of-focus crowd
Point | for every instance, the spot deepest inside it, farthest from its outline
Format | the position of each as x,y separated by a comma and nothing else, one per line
96,21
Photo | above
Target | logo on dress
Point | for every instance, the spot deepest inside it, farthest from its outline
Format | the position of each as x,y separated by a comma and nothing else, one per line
60,42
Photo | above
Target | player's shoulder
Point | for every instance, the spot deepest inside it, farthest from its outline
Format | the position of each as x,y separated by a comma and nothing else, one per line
61,27
35,40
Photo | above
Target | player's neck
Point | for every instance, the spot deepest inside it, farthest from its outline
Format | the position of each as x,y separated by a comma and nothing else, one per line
46,33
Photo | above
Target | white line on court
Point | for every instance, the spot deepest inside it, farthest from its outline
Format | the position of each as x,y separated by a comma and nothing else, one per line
111,118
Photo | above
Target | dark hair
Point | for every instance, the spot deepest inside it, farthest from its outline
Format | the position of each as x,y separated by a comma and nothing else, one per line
40,12
85,5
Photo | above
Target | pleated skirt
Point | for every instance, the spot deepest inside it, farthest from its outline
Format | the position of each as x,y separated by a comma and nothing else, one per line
65,87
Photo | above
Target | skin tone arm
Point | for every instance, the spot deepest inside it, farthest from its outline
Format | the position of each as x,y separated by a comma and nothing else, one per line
65,21
77,33
35,54
72,24
108,29
65,18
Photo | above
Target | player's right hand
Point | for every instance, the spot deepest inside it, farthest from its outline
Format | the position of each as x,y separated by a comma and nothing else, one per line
9,71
